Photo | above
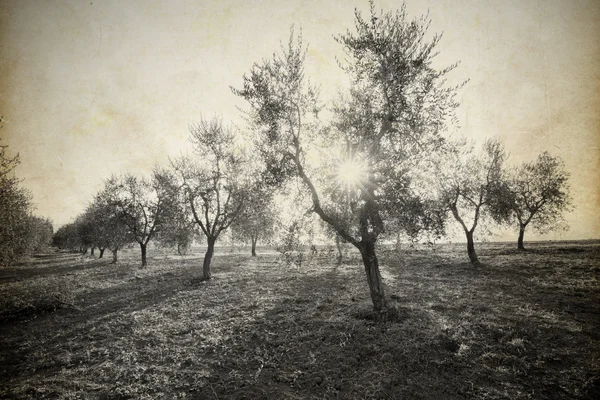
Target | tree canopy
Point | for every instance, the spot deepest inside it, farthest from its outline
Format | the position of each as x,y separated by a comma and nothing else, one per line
396,109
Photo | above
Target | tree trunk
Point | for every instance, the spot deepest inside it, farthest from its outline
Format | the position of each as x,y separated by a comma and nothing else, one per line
115,256
374,277
338,244
101,252
207,258
143,248
254,239
521,234
471,249
92,252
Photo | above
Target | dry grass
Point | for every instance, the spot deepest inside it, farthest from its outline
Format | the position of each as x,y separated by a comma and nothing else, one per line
522,327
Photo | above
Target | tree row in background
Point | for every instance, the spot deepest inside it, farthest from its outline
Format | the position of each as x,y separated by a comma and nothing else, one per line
21,232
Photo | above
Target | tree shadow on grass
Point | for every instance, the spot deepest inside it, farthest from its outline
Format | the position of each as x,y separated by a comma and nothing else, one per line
320,336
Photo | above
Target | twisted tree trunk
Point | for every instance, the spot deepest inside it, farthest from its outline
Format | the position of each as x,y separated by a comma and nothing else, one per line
143,249
471,249
253,239
520,245
206,273
371,265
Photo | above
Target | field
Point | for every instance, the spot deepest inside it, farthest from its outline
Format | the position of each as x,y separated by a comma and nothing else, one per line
523,326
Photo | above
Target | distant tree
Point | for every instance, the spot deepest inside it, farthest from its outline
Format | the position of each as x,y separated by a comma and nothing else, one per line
213,182
257,219
85,231
67,238
109,231
471,187
142,206
395,111
180,230
539,194
15,209
179,233
417,218
14,220
7,164
40,233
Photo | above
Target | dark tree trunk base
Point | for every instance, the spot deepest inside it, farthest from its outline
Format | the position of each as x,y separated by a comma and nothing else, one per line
371,265
520,244
206,272
471,250
115,256
143,249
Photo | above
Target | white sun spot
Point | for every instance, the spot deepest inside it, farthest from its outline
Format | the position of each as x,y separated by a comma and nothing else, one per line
351,172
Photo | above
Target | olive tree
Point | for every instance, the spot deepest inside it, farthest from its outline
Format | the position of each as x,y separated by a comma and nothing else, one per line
540,194
109,232
472,187
257,220
358,166
143,206
213,181
67,238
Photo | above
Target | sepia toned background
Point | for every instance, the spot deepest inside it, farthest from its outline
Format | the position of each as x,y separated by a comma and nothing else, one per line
91,88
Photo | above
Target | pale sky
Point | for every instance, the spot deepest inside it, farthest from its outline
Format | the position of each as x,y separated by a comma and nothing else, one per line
90,88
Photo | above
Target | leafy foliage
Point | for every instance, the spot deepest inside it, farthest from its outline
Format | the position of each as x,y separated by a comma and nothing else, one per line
471,187
215,184
142,206
541,192
21,233
257,219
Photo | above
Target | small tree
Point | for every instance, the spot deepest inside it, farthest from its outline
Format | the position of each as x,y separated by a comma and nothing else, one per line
109,232
85,231
67,238
471,187
142,206
539,194
179,231
257,221
213,184
40,234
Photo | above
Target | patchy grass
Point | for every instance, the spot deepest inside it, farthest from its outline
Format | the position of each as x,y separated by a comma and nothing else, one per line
524,326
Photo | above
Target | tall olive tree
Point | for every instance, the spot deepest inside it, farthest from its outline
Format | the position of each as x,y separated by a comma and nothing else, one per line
213,181
357,167
540,194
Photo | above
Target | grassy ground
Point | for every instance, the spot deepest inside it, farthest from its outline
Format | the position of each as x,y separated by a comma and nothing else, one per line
524,326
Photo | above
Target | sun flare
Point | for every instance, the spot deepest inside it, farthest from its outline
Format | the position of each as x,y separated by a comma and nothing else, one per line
351,172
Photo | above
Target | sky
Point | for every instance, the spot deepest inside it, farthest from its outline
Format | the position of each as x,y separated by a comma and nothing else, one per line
91,88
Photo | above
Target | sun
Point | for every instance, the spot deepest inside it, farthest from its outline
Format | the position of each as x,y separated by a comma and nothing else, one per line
351,173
